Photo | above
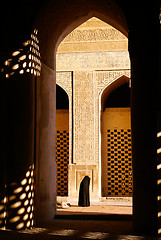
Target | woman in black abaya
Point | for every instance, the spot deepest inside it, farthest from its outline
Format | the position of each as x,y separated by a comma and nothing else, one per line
84,200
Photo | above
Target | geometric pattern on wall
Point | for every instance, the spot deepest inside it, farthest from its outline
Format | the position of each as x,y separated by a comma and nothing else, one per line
119,163
62,159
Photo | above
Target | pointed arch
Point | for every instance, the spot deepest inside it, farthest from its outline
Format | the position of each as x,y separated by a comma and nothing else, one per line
55,20
62,140
113,85
113,122
62,98
54,26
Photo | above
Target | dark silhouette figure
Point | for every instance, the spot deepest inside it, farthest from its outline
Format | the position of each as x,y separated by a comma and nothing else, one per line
84,200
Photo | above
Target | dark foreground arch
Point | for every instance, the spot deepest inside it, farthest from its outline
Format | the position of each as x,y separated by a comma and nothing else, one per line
54,20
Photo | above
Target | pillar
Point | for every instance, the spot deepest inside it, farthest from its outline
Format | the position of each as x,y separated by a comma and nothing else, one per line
17,159
143,48
45,196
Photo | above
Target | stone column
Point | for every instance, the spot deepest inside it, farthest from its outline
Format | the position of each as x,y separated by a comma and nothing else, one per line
84,136
143,53
17,159
45,198
84,118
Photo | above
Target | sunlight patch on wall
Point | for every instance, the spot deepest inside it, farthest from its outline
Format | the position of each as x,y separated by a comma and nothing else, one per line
159,179
26,59
17,209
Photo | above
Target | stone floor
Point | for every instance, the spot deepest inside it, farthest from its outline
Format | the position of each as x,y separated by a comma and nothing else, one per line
87,223
95,209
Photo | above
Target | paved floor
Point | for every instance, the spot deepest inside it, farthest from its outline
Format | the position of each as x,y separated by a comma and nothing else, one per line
94,222
95,209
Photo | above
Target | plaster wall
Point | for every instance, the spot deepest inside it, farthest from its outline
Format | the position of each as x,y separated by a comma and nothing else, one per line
113,119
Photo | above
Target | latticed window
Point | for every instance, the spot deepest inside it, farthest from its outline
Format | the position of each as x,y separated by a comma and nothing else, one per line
119,163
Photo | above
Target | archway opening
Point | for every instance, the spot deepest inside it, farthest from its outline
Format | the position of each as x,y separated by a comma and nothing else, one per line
62,141
116,149
53,27
88,59
83,81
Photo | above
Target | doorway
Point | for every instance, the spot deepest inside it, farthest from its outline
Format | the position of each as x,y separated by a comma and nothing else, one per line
62,141
116,160
87,60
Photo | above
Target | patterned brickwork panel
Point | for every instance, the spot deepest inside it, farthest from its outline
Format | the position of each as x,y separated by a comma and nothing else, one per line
62,158
119,163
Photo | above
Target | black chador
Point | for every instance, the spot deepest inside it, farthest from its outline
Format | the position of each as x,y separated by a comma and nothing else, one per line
84,200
